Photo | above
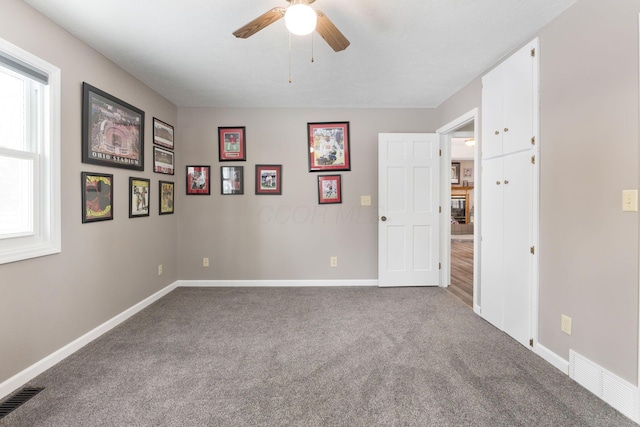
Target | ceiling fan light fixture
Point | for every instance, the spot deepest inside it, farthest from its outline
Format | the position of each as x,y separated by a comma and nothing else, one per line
300,19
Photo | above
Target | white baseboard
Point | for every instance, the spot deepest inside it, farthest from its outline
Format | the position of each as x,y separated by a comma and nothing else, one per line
274,283
21,378
552,358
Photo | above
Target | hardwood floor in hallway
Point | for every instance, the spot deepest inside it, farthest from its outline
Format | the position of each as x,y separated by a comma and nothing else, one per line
462,270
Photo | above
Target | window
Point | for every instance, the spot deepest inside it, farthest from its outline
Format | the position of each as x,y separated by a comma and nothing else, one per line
29,155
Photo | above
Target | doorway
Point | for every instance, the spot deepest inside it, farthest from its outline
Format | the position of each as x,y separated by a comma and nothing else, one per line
460,200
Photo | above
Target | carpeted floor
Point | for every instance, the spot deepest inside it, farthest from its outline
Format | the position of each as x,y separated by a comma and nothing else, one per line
308,357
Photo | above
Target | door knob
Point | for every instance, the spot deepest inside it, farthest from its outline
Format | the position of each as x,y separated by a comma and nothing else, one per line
506,129
497,182
497,132
506,181
383,218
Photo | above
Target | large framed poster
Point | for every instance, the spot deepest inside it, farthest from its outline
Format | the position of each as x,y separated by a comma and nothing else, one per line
112,130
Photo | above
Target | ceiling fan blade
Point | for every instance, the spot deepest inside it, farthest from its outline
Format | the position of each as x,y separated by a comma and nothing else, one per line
260,22
330,32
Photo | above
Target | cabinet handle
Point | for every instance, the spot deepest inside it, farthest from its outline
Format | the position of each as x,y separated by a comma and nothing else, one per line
497,182
497,132
506,129
506,181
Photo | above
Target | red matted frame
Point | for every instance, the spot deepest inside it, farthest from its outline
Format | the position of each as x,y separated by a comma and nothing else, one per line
269,179
329,146
329,189
232,144
198,180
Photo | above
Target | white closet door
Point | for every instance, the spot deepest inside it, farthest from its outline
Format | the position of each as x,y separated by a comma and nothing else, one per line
518,221
492,114
492,260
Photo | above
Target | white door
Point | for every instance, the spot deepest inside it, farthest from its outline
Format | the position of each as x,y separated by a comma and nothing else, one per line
408,209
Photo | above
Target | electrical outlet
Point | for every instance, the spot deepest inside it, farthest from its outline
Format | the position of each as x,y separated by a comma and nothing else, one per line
565,324
365,200
160,270
205,262
630,200
333,261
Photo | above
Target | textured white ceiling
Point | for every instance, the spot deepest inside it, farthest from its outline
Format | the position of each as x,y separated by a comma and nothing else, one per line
410,53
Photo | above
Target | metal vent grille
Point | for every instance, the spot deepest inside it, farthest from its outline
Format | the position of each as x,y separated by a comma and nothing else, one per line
17,400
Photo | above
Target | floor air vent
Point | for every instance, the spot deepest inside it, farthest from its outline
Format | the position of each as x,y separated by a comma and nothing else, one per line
17,400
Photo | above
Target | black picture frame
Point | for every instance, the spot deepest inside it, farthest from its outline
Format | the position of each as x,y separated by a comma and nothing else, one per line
198,180
455,172
97,197
163,161
232,143
269,179
231,180
112,130
139,196
166,197
329,146
329,189
163,134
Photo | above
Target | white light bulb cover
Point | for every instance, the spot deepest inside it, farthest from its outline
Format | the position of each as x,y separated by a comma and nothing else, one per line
300,19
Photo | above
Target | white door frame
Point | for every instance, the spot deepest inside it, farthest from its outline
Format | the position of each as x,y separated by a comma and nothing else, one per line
445,195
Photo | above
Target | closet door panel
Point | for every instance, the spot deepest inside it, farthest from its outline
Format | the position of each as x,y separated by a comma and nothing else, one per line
492,114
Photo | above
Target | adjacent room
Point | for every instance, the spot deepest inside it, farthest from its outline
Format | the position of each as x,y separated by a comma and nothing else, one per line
209,219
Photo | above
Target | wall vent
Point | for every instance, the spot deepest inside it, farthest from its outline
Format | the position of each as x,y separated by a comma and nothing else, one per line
617,392
17,400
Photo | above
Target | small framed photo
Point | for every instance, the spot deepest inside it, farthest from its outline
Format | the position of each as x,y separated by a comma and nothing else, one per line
199,180
455,173
163,161
165,197
162,134
232,143
269,179
112,130
232,180
328,145
97,197
138,197
329,189
468,172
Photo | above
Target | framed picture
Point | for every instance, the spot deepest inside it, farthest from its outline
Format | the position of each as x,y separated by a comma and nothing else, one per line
269,179
165,197
455,173
97,197
198,180
112,131
138,197
328,145
232,143
163,161
329,189
162,134
232,180
468,173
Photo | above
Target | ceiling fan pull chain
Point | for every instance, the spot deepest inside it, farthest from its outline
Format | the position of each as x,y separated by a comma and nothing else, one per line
312,47
289,57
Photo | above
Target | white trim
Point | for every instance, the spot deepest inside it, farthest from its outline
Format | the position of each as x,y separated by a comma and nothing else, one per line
445,195
274,283
39,367
552,358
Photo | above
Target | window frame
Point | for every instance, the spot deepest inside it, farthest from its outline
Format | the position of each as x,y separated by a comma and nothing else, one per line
46,207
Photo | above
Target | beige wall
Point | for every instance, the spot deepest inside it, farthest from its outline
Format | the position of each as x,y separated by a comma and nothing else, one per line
289,237
104,267
589,154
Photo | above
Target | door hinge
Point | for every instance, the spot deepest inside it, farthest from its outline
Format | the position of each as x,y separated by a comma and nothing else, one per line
439,209
533,52
533,140
440,152
530,342
533,160
533,249
439,266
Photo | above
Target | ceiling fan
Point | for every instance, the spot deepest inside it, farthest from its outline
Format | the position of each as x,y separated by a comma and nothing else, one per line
324,26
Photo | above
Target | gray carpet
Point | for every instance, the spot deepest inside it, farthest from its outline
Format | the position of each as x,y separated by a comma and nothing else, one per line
308,357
